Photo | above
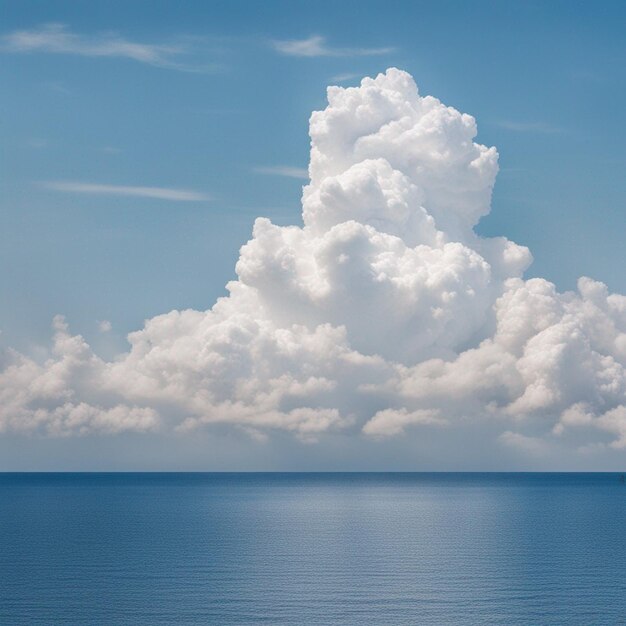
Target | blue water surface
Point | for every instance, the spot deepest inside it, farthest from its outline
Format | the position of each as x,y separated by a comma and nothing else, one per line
312,549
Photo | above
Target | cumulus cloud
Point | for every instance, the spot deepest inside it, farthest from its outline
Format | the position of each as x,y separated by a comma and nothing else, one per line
534,446
104,326
391,422
58,396
383,314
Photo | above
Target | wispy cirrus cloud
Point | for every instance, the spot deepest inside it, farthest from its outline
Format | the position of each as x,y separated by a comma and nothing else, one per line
283,170
56,38
112,150
316,46
157,193
342,78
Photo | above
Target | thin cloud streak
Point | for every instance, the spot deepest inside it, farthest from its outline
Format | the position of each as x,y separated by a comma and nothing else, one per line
315,46
56,38
529,127
283,170
158,193
341,78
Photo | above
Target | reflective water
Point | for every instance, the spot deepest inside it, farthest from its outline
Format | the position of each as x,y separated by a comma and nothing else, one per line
312,549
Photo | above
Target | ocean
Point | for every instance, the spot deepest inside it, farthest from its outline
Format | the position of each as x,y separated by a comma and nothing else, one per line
312,549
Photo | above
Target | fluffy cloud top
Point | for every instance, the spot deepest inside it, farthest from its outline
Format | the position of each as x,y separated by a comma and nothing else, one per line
385,312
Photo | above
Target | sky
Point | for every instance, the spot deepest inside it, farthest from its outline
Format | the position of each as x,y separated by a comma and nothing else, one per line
140,141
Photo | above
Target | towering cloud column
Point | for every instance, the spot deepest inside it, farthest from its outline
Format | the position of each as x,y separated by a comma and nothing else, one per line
385,311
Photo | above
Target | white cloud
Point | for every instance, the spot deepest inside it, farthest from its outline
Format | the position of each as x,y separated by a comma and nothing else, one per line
59,397
58,39
104,326
530,127
315,46
384,314
283,170
158,193
342,78
37,144
393,422
534,446
581,415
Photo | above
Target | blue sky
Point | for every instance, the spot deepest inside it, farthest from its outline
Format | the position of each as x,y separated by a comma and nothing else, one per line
140,140
545,81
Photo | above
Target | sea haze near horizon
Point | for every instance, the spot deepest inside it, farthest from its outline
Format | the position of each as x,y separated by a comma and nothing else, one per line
328,548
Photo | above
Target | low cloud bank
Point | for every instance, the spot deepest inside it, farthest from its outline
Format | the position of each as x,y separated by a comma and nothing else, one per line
384,313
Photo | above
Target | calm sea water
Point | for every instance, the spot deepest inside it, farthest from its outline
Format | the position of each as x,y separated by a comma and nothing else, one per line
312,549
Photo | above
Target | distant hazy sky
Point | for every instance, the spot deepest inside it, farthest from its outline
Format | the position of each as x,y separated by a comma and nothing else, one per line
141,139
